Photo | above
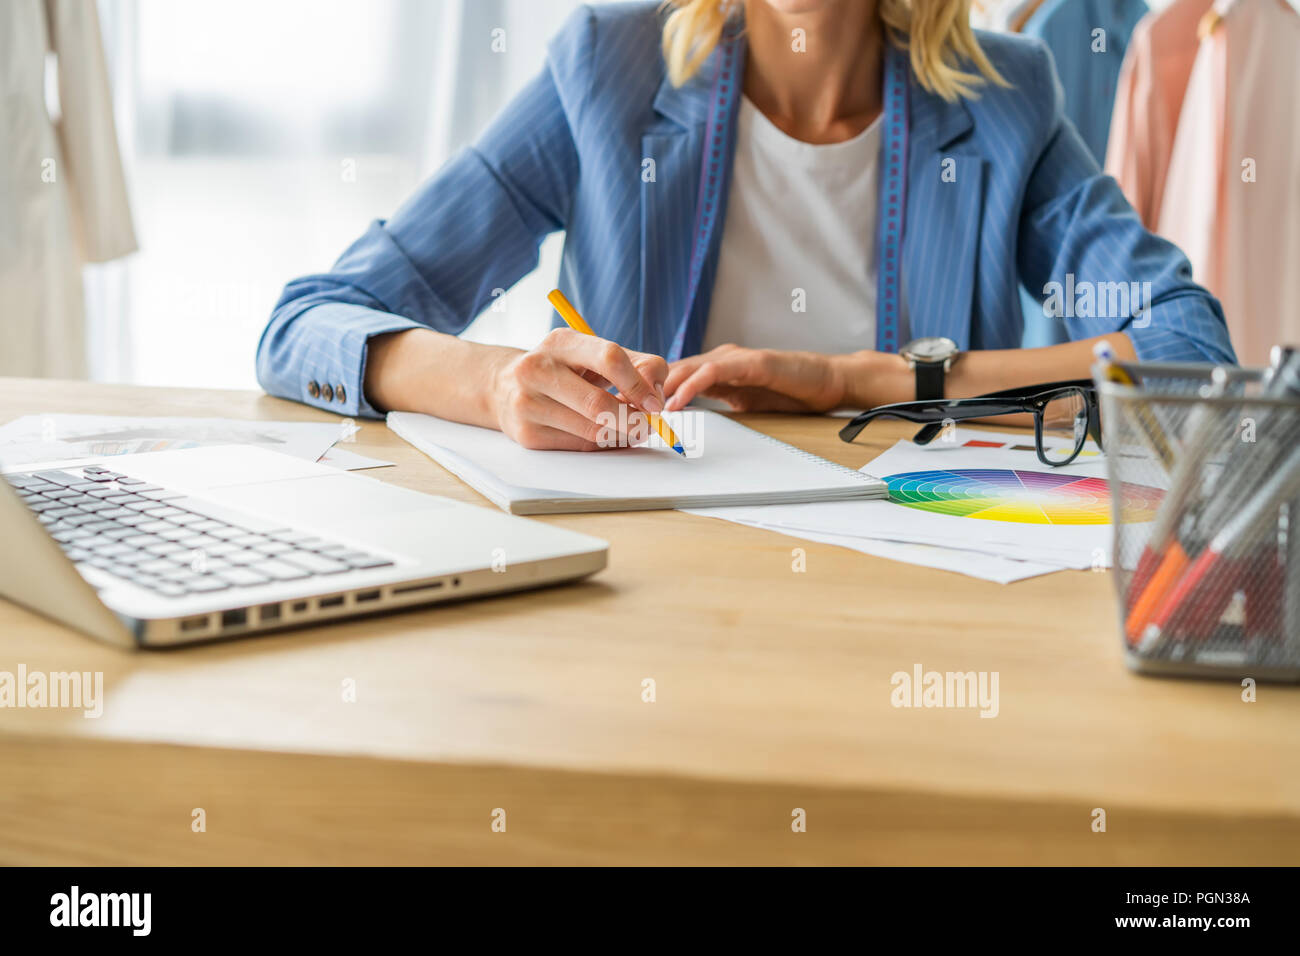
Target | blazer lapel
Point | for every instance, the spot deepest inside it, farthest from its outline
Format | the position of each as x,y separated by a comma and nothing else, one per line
674,199
670,178
944,207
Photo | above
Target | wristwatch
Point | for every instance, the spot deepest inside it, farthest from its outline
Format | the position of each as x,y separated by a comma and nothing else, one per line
931,358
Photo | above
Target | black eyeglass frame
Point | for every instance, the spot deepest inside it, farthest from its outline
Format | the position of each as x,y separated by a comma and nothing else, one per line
1032,400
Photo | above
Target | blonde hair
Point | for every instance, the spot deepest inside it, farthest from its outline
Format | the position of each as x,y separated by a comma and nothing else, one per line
935,33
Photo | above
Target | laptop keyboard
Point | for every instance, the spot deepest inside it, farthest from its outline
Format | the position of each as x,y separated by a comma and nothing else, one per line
170,543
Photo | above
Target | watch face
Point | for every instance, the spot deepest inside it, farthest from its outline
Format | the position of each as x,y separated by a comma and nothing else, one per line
933,349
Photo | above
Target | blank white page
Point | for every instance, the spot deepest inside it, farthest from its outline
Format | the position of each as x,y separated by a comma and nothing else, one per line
726,463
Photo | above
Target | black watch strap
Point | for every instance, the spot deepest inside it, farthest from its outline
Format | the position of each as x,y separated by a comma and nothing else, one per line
929,381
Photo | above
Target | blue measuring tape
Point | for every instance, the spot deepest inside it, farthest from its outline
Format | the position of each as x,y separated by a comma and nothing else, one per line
715,168
893,202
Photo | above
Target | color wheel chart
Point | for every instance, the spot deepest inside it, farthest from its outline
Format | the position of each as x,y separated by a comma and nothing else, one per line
1022,497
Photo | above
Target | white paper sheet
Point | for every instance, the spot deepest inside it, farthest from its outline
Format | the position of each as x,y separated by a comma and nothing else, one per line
1056,494
988,567
344,460
58,436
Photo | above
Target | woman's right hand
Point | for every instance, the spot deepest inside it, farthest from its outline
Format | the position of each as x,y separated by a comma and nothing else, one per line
555,395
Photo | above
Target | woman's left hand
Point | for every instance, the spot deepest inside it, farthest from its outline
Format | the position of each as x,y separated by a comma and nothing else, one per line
757,380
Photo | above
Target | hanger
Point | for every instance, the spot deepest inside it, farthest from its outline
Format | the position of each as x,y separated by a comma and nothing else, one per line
1018,24
1209,23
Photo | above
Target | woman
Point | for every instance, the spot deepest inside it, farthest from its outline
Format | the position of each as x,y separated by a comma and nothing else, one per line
764,201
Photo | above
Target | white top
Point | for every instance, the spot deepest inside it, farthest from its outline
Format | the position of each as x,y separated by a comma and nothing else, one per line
797,267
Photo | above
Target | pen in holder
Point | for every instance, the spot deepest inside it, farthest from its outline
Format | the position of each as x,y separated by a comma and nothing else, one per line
1209,585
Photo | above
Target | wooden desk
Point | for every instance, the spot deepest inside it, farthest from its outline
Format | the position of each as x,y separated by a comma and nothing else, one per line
773,693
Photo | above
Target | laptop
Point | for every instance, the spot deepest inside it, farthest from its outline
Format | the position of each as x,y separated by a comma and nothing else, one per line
177,547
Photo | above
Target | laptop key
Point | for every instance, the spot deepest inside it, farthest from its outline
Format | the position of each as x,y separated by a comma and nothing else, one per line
98,526
113,550
43,486
279,571
159,494
165,548
242,577
96,490
77,555
156,566
40,506
273,547
315,563
58,477
245,557
361,562
142,505
293,537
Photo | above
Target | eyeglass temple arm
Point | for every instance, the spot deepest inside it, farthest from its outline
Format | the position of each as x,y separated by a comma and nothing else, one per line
861,421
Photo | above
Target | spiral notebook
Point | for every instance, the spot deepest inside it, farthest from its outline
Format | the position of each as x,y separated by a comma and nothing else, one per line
725,464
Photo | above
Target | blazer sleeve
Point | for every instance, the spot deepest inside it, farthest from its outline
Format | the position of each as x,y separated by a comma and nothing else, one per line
474,227
1077,231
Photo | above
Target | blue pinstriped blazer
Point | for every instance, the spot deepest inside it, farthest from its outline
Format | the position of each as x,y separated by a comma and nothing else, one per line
1029,203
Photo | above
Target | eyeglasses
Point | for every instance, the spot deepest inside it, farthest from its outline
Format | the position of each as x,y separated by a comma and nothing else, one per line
1065,415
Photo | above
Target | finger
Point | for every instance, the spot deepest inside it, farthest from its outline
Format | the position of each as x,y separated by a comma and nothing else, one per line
712,373
597,406
653,368
722,367
680,371
543,437
621,431
607,359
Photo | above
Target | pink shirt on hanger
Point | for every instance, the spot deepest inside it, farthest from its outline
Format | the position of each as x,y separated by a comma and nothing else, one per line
1148,98
1232,195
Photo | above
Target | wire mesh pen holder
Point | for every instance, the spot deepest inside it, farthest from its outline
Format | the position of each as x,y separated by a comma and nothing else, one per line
1204,469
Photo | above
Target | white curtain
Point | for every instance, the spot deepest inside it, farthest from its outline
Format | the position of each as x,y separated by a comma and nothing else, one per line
260,138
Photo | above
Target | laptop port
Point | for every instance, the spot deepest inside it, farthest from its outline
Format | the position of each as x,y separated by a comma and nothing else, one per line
408,588
364,596
270,612
299,607
234,618
194,623
332,601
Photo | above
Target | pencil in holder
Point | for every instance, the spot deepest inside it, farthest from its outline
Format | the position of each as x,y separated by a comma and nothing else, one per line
1204,471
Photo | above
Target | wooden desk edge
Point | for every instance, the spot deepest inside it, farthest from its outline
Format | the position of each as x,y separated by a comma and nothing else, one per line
80,802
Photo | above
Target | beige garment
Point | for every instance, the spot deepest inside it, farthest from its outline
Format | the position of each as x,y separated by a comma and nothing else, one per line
62,192
1152,82
1232,196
